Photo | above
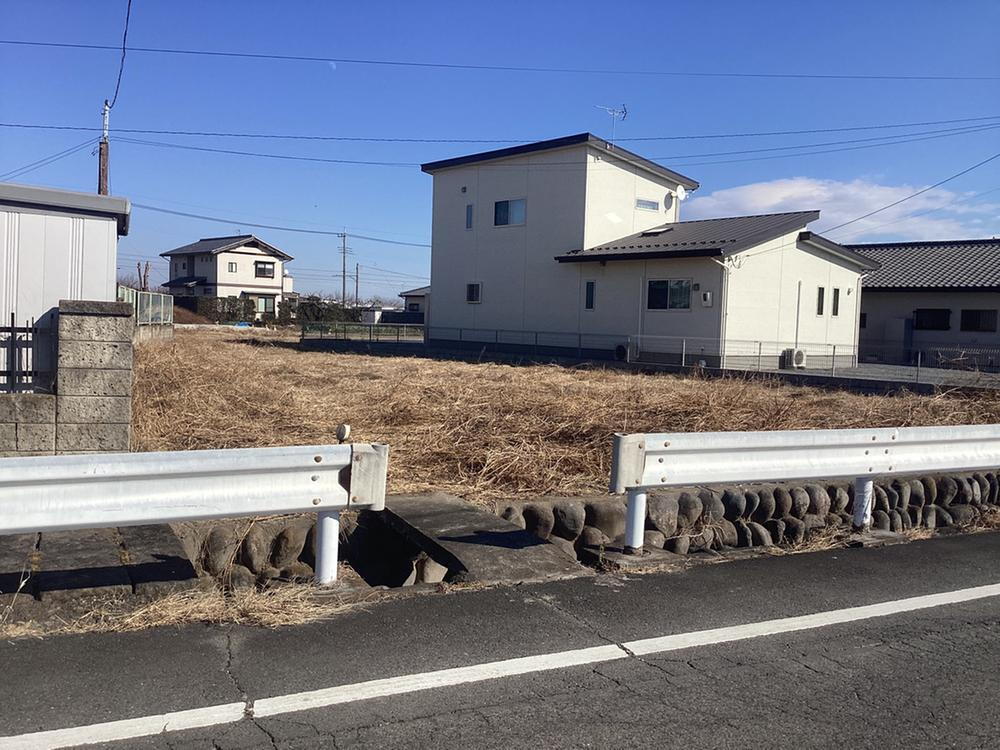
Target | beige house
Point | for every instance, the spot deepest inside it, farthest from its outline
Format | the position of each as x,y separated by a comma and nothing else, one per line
236,266
576,244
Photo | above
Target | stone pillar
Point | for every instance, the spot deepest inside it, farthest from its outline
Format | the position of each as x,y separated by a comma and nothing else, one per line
94,376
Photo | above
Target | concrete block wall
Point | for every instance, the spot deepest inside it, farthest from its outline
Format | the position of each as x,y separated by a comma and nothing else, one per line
93,401
27,424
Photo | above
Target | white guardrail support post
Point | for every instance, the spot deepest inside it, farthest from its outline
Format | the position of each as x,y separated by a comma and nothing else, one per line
635,522
327,546
864,496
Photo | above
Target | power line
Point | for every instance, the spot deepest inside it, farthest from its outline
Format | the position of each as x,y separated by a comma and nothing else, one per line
506,68
300,230
914,195
374,139
922,213
46,160
121,65
890,140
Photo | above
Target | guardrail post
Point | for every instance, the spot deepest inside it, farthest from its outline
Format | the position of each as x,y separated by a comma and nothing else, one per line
635,522
327,546
864,491
683,351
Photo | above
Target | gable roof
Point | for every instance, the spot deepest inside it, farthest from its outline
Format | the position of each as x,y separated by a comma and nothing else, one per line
420,291
699,238
554,143
216,245
946,264
67,201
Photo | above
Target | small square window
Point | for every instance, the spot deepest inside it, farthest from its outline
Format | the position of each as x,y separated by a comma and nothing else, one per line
589,289
835,303
473,293
510,212
820,299
263,269
469,208
232,267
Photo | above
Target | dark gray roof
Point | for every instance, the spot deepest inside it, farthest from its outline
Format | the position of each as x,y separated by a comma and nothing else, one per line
947,264
554,143
701,238
216,245
67,201
186,281
420,291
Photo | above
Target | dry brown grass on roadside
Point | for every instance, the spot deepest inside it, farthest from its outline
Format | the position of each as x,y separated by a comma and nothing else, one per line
274,607
484,431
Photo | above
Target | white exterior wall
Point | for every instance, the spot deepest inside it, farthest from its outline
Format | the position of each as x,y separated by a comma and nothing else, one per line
47,257
763,302
573,200
223,282
887,314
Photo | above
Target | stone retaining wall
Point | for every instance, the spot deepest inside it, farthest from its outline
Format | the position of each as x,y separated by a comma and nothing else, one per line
694,519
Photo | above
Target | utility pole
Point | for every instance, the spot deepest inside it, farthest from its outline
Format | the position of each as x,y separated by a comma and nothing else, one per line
343,269
102,154
357,279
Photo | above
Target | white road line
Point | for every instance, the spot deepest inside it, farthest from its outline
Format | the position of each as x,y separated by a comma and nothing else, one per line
231,712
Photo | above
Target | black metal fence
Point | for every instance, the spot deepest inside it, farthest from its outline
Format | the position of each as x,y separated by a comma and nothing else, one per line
26,357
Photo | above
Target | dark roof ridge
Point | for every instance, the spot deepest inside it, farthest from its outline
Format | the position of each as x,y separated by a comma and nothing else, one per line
926,243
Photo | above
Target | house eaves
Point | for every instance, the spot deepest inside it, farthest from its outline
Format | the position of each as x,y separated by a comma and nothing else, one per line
52,200
829,246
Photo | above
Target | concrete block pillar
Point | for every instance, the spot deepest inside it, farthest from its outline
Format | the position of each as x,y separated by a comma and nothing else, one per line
94,376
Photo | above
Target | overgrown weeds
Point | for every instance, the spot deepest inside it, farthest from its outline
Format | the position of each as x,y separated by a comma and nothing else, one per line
484,431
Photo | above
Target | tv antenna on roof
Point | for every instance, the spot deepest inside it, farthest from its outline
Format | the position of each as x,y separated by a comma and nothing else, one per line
616,115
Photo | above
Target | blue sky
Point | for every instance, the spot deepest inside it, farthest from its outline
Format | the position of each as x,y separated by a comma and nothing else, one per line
67,86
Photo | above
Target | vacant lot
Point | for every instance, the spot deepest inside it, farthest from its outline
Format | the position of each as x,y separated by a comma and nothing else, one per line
483,431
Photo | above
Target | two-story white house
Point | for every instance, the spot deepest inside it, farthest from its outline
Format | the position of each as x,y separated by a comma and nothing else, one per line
237,266
577,244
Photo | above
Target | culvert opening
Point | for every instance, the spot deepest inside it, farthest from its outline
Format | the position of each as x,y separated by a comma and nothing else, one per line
384,556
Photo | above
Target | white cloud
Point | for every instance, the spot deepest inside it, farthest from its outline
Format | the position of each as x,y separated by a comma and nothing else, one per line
840,201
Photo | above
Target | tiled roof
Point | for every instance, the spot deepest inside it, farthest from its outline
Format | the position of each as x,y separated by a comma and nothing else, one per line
948,264
220,244
705,237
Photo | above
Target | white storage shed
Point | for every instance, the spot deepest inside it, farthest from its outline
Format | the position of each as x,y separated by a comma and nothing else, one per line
56,244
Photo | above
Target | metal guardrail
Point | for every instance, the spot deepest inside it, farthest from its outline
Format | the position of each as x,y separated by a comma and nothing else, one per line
643,461
54,493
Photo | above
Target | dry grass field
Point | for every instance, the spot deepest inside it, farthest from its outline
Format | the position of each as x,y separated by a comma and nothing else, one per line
482,431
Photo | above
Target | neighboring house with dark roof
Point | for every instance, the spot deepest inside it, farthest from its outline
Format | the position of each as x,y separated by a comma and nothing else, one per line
936,298
56,244
416,300
578,244
235,266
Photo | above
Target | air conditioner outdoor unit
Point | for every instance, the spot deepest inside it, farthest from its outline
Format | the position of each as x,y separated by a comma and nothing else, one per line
793,359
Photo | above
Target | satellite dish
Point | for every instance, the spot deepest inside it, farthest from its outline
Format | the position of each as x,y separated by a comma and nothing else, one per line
681,193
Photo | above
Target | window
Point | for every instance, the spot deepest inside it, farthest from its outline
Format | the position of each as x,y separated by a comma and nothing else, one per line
979,320
468,215
184,265
265,304
863,321
647,205
820,297
263,269
232,267
835,303
473,293
932,319
668,294
509,213
588,294
413,307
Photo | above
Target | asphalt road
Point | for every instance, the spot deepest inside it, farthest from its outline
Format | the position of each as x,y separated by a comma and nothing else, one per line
924,678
